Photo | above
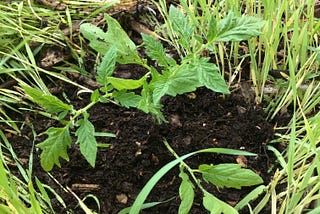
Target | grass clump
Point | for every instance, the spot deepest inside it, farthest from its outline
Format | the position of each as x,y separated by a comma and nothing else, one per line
212,41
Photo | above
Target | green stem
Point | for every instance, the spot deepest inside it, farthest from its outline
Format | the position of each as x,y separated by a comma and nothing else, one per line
87,107
197,181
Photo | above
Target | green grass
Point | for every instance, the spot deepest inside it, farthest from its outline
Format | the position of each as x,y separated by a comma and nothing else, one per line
288,42
18,195
23,33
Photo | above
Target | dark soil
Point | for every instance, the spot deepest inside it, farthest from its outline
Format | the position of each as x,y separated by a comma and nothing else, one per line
196,121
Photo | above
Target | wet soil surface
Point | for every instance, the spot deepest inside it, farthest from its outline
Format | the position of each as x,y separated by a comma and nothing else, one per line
199,120
196,121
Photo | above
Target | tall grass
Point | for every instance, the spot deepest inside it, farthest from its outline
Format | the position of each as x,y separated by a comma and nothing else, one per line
285,45
289,43
24,30
289,31
18,195
23,34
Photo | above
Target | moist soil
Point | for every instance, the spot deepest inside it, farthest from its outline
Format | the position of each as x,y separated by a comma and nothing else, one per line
198,120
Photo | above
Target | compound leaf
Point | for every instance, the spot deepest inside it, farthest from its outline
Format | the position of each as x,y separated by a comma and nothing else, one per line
106,68
181,26
86,140
178,80
54,147
47,101
136,207
127,99
209,76
115,36
156,51
233,28
229,175
147,105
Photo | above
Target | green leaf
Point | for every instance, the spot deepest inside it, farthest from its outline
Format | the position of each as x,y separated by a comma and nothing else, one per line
47,101
197,38
156,51
125,84
95,96
97,37
103,99
106,68
148,106
87,140
43,192
54,147
136,207
181,26
186,194
104,134
229,175
209,76
233,28
127,99
251,196
216,206
179,80
103,145
62,115
115,36
4,181
212,29
145,206
317,50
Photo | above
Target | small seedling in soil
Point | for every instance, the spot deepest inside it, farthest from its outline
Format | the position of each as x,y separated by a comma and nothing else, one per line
191,72
181,76
59,138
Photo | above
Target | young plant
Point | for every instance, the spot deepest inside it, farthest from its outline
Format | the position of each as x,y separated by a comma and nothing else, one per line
237,177
59,138
176,77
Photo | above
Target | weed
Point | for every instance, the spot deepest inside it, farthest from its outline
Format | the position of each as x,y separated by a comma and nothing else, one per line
216,175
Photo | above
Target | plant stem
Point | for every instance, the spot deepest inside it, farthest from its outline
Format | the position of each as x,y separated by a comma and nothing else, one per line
184,165
87,107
